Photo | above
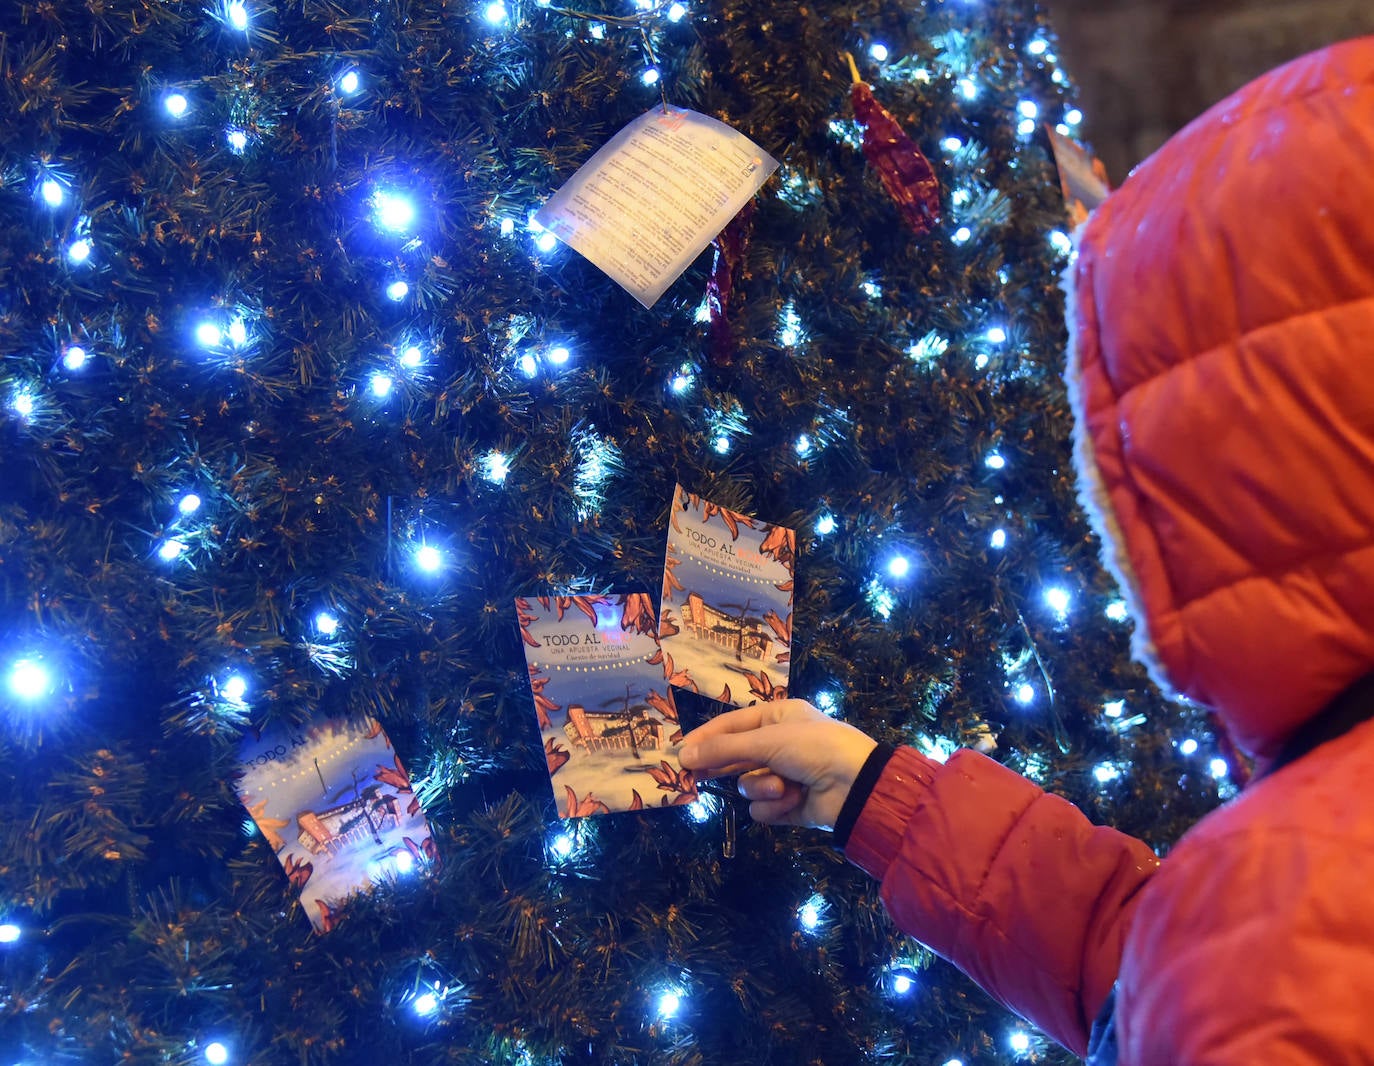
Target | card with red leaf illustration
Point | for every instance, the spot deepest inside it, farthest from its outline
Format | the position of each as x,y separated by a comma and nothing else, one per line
1082,177
334,802
605,712
726,621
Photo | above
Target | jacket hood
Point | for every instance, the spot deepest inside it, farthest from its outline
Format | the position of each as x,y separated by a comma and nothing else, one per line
1221,373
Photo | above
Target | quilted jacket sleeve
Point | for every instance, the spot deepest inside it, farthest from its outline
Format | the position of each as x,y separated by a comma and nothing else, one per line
1013,885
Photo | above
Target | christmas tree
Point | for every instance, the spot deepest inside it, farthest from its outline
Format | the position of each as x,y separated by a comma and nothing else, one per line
297,399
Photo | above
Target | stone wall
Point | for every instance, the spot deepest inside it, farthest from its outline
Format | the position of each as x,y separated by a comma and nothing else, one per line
1145,68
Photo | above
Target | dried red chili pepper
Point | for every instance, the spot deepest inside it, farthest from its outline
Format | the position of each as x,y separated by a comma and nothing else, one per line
906,173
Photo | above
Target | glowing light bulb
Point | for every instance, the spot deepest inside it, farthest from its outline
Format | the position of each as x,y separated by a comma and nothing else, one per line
235,689
507,227
170,549
1058,600
827,702
425,1004
559,355
825,525
998,539
899,566
237,14
962,235
903,981
412,357
429,558
1116,611
996,335
350,82
216,1054
528,365
721,444
1073,116
1038,47
809,914
393,211
1026,127
995,462
189,504
954,1062
1218,768
496,13
238,140
1028,109
326,624
669,1003
1105,772
681,383
1020,1042
1025,693
9,933
1188,747
74,358
397,291
968,88
79,250
803,445
495,467
546,242
381,385
52,192
1061,242
405,862
878,51
1114,708
23,403
176,105
29,679
676,12
208,335
238,333
650,76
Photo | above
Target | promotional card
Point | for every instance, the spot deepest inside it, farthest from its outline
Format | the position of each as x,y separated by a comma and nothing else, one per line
603,704
334,802
726,620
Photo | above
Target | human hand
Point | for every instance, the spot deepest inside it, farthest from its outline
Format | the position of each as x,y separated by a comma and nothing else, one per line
796,765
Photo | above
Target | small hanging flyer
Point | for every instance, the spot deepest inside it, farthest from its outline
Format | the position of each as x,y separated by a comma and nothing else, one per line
655,195
726,619
605,712
334,802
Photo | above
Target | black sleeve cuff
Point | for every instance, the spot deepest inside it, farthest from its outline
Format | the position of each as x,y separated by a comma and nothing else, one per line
859,792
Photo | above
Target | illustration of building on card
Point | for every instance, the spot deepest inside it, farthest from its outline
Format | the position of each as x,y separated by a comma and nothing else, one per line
357,820
628,730
734,628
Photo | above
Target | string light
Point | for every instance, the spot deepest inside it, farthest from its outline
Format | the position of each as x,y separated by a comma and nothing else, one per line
903,980
79,250
495,466
23,403
1188,747
1073,116
562,847
234,689
496,13
429,558
828,702
29,679
216,1054
995,461
52,192
1028,109
1116,611
1025,693
1058,600
951,144
176,104
1114,708
676,12
962,235
425,1004
237,140
809,913
650,76
238,333
74,358
397,290
412,357
1061,242
1105,772
237,14
326,624
381,385
803,445
825,525
189,504
559,355
529,365
350,82
1038,47
879,52
968,88
1020,1042
998,540
996,335
393,211
9,933
170,550
669,1003
209,335
1218,768
899,566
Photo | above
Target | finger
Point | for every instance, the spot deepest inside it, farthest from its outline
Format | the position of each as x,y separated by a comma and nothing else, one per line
727,752
740,721
761,785
785,810
705,773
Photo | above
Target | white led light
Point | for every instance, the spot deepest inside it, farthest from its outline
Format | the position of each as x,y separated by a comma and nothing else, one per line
425,1004
528,365
899,566
996,335
23,403
879,52
1073,116
1218,768
52,192
74,358
1188,747
998,539
902,983
1026,127
1116,611
393,211
237,15
825,525
238,333
176,105
496,13
170,549
699,811
235,689
562,846
968,88
404,861
650,76
669,1003
412,357
951,144
1105,772
1058,600
428,558
495,467
803,445
79,250
680,383
1114,708
962,235
381,385
397,291
809,914
189,504
9,933
29,679
350,82
559,355
676,12
546,242
327,624
827,701
216,1054
1028,109
721,444
1038,47
1025,693
1061,242
238,141
208,335
1020,1042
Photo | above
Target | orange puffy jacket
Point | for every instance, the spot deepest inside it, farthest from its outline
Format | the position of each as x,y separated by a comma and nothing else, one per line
1222,377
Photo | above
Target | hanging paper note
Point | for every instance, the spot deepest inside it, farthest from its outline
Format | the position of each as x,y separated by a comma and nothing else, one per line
1082,177
655,195
605,713
726,621
336,805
